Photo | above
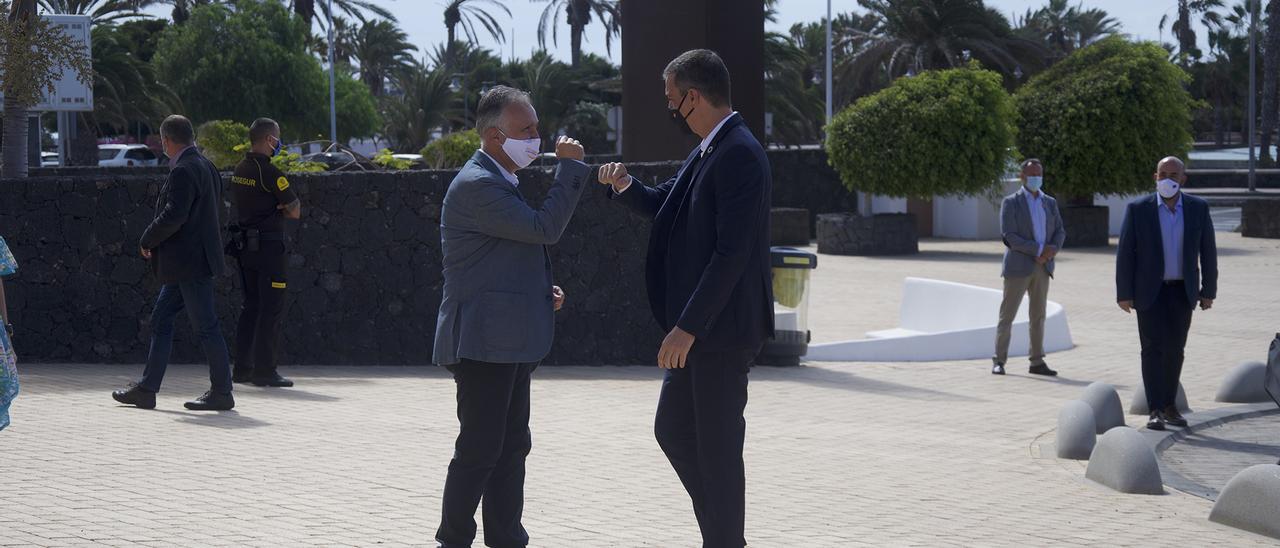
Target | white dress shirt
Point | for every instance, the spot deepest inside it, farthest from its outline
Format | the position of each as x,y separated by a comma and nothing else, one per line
1035,202
703,148
510,177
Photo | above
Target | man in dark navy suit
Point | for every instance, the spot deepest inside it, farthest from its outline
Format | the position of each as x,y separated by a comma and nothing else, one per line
709,287
1167,262
184,246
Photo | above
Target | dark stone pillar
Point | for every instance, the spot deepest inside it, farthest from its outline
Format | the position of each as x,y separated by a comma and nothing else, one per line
653,33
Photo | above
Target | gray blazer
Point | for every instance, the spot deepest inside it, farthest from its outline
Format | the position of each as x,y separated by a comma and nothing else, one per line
1020,238
497,305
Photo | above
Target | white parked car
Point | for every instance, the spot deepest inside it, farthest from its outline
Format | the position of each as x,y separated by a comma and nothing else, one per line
49,159
126,155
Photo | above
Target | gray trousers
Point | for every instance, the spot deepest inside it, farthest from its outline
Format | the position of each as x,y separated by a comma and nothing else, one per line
1037,286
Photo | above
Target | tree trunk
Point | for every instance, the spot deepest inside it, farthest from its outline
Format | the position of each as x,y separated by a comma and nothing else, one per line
84,142
575,44
13,160
15,140
1270,71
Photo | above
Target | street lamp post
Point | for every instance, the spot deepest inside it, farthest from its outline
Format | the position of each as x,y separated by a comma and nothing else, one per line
333,101
828,72
1253,95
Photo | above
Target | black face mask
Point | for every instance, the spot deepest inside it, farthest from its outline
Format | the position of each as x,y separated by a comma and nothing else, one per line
682,121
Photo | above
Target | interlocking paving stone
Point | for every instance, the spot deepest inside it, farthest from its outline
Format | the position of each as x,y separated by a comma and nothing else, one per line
896,454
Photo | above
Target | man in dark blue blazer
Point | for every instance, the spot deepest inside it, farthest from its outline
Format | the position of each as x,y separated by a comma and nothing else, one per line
710,288
1167,262
184,246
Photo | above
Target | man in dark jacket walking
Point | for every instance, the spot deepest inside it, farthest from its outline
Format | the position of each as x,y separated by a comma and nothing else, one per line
184,245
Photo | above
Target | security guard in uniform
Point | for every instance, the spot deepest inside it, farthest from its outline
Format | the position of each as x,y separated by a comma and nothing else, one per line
263,201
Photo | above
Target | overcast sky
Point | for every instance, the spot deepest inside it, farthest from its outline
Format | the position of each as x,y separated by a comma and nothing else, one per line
424,22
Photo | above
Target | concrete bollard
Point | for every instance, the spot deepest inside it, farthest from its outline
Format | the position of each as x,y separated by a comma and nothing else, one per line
1122,460
1104,400
1138,406
1076,427
1244,384
1251,501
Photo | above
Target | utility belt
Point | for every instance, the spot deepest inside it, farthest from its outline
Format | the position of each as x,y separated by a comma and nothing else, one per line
249,239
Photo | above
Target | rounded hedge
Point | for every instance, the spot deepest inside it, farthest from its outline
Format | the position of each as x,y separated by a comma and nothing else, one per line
452,150
939,133
219,141
1101,118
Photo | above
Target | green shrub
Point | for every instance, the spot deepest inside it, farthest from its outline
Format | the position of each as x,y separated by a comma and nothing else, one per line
452,150
385,160
288,162
218,141
1101,118
938,133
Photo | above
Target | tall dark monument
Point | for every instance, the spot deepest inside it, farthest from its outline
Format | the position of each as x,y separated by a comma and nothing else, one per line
653,33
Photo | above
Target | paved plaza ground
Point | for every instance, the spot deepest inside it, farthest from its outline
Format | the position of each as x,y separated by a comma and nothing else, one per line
854,454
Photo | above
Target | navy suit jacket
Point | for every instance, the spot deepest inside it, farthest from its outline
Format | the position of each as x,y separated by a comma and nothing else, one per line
185,236
1140,257
708,269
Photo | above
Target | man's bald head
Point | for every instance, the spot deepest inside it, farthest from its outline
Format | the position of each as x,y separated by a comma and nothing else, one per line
1171,167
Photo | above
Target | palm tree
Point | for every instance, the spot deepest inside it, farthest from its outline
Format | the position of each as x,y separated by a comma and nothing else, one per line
1185,33
790,74
551,89
22,18
306,9
467,12
125,89
344,42
99,11
579,14
381,48
1270,71
1064,28
181,8
917,35
420,106
1220,76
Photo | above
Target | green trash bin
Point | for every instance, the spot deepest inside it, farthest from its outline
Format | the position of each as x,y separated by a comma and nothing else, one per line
791,272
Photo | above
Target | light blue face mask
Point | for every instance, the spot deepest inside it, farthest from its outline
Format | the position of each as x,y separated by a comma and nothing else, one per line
1034,182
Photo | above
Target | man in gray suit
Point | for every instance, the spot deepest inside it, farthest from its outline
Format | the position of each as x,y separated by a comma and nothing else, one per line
1033,234
498,312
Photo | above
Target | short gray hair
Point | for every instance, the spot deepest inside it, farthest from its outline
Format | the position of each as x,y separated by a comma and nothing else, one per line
177,128
494,103
1031,162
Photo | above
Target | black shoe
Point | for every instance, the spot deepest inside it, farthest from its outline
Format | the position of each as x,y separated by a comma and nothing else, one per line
1042,369
997,369
136,396
241,377
1156,422
276,381
1173,417
212,402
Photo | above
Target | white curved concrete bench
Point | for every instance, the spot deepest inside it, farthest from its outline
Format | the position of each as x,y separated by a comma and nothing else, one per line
946,321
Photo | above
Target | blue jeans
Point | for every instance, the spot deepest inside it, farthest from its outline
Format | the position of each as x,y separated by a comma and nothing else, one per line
196,296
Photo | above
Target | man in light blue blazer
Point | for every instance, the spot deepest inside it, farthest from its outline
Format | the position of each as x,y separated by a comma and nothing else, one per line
1032,231
496,318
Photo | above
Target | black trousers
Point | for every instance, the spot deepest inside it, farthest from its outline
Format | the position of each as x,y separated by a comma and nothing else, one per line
488,458
700,427
1163,331
265,284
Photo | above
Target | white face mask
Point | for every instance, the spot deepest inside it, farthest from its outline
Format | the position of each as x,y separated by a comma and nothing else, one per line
521,151
1167,188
